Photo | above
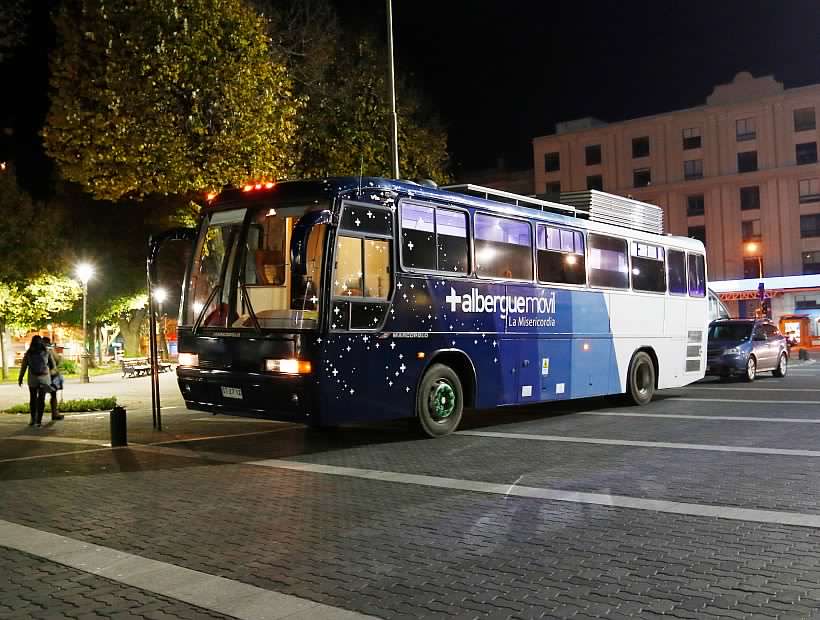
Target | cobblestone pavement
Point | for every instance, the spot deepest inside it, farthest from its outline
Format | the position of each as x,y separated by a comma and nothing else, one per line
419,545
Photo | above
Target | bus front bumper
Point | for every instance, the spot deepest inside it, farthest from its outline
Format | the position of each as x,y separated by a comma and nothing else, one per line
277,397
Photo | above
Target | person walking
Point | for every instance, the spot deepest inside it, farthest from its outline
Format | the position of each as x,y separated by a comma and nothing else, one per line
36,361
56,379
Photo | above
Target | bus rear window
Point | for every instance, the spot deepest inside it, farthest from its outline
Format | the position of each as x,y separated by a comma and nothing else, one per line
561,255
677,272
697,276
608,263
503,247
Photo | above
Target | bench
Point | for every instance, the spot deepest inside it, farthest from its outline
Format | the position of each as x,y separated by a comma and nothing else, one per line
139,366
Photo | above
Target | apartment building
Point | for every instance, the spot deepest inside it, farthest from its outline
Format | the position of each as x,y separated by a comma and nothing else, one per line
740,173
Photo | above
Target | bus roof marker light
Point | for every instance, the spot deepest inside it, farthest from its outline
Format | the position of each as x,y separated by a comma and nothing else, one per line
210,196
258,186
269,184
247,188
271,212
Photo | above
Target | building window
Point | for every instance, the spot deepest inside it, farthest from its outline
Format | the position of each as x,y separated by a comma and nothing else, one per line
595,181
750,230
691,138
809,190
553,190
811,263
641,177
749,198
804,119
693,169
806,153
745,129
640,147
810,226
752,267
747,161
699,233
695,205
552,162
593,154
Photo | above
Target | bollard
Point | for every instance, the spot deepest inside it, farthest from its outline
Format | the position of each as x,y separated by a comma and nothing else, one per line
119,433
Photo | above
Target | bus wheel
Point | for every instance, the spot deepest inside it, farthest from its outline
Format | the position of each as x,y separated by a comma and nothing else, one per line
641,381
439,401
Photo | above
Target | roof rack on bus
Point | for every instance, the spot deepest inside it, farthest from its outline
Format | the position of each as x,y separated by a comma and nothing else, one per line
519,200
591,204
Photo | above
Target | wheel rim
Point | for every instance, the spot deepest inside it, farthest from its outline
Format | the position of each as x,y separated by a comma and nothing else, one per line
643,379
750,368
442,400
782,364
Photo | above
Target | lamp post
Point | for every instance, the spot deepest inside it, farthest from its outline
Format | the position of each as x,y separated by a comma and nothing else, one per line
160,295
84,273
753,248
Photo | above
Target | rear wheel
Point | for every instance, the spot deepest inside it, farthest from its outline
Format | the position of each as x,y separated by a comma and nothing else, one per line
640,386
439,401
751,369
782,366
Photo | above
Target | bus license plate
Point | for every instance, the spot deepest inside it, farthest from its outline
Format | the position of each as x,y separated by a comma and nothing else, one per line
231,392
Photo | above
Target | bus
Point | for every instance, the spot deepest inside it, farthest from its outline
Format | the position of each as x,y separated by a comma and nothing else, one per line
365,299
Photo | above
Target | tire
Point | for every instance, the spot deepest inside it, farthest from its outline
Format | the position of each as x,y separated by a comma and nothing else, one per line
782,366
640,386
439,401
751,369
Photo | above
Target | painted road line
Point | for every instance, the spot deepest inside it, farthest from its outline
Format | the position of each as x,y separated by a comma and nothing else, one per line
237,419
701,417
507,490
47,439
217,594
642,444
742,400
752,389
273,430
53,454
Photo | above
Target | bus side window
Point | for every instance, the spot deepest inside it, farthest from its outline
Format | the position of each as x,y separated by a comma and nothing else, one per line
418,237
362,268
561,256
451,238
608,262
697,275
648,268
677,272
503,247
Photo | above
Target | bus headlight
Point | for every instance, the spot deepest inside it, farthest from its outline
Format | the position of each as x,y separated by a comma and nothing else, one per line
288,366
188,359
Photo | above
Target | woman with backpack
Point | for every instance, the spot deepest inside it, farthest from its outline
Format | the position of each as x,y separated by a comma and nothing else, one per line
37,362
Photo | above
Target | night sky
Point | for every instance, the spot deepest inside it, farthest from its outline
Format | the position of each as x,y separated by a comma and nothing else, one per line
502,72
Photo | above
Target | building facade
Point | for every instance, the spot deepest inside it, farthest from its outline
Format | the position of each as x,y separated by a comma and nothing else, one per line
740,173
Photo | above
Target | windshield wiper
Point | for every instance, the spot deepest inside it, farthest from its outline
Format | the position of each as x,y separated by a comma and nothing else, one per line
247,300
207,305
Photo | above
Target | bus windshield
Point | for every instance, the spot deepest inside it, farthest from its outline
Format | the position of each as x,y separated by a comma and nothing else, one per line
242,275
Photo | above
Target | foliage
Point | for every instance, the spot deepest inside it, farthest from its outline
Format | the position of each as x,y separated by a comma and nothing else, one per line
67,367
345,128
167,96
13,15
68,406
28,240
24,306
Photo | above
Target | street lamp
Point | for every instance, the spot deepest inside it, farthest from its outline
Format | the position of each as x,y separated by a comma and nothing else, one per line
754,249
84,273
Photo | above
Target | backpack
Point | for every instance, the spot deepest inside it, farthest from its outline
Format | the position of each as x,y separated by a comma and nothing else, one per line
38,362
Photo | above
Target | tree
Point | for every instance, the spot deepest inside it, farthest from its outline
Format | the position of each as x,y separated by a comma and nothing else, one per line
167,97
13,15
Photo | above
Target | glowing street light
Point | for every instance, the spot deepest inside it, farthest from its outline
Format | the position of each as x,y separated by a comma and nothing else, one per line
84,272
754,250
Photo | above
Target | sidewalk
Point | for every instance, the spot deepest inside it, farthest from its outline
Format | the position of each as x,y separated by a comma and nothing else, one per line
133,392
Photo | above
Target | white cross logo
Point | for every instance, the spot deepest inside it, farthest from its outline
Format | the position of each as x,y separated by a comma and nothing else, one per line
453,299
314,299
357,221
392,345
402,367
410,245
335,372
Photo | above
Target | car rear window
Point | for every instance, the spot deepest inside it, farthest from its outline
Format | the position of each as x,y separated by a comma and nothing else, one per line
730,331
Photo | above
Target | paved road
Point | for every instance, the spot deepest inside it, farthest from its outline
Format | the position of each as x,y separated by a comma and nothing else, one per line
706,503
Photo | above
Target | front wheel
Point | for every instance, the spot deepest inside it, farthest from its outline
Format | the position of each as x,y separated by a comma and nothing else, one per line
439,401
751,369
782,366
640,386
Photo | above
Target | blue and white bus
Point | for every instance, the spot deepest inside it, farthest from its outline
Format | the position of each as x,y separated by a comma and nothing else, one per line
353,299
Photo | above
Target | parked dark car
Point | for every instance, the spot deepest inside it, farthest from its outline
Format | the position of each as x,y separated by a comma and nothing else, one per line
746,347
